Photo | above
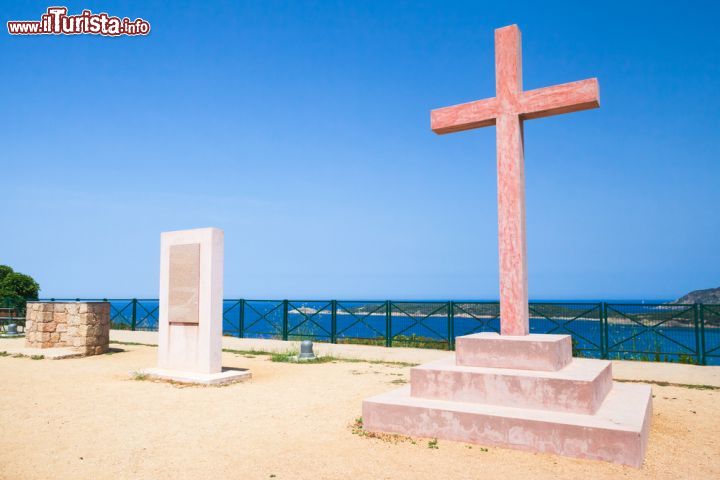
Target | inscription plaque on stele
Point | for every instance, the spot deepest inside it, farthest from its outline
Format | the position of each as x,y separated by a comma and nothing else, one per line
184,288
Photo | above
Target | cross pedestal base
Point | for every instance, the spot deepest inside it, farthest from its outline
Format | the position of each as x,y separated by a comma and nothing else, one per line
525,352
575,410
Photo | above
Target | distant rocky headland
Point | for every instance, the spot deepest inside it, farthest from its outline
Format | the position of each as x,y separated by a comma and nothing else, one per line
709,295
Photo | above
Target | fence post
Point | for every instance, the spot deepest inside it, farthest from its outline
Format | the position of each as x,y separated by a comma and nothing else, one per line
388,323
333,321
702,323
11,313
700,332
603,331
451,325
133,320
285,320
241,318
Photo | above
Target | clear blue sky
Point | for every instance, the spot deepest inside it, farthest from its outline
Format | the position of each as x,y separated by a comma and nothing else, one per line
302,130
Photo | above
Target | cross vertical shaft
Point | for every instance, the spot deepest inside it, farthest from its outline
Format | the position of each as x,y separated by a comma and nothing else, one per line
511,185
512,243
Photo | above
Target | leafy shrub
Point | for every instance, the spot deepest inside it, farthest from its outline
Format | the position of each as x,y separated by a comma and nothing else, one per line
16,288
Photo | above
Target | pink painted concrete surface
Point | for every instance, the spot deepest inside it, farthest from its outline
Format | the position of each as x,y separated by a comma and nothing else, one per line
559,404
507,110
580,387
523,352
617,433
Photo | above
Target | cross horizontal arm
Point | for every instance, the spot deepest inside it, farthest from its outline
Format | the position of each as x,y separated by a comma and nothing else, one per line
465,116
565,98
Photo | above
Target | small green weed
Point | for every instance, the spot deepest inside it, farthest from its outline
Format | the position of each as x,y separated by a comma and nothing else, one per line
252,352
357,429
292,357
286,357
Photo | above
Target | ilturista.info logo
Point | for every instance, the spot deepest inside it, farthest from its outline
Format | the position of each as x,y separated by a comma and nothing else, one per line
56,21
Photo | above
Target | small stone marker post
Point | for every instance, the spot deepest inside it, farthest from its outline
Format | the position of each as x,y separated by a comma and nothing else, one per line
191,309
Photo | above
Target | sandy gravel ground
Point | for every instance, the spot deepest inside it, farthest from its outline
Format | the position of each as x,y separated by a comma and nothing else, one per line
87,419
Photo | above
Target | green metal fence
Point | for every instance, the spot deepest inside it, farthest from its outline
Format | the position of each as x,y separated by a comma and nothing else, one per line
710,334
652,332
12,310
666,332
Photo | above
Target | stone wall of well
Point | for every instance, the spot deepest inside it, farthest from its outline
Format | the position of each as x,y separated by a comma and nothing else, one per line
84,326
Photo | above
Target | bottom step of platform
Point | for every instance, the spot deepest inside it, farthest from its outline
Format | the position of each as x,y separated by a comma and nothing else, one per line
616,433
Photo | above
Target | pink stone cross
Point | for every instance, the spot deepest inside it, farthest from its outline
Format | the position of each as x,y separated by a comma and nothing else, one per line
507,110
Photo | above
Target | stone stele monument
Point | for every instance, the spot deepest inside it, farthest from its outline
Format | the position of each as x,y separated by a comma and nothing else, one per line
191,309
517,389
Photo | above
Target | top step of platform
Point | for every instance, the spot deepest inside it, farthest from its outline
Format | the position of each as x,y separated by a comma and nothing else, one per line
527,352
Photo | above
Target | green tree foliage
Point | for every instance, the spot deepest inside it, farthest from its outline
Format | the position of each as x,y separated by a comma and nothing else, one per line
5,271
15,285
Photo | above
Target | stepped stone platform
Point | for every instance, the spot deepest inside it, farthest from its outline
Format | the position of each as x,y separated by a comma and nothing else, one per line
544,401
